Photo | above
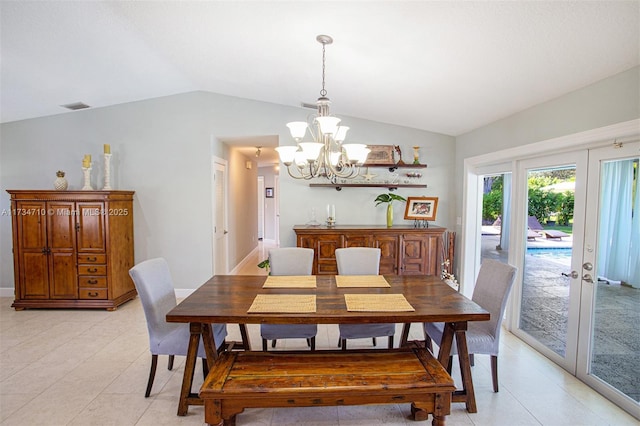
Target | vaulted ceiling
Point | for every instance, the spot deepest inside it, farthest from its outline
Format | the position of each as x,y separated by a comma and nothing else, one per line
447,67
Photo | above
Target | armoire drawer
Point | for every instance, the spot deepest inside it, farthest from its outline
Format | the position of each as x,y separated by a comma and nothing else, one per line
92,270
89,258
92,282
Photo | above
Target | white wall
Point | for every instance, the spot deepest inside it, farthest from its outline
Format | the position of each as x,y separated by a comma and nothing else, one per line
610,101
243,206
162,149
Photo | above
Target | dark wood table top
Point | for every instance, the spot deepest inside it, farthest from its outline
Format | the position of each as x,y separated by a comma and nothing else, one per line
227,298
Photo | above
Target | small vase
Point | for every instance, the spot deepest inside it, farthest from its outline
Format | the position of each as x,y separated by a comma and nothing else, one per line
60,184
389,215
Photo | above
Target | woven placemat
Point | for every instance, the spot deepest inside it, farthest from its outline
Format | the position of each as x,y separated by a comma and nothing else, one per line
290,281
283,303
361,281
377,303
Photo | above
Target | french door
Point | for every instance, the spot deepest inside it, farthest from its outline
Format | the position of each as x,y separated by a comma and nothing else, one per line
578,301
609,330
550,259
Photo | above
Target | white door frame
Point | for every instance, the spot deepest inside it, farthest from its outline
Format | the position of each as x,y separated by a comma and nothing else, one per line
216,163
276,215
261,209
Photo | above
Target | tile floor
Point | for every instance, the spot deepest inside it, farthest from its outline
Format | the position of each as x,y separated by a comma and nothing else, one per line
89,367
545,313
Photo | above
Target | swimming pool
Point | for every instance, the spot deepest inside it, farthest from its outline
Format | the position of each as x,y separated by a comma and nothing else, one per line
549,251
560,255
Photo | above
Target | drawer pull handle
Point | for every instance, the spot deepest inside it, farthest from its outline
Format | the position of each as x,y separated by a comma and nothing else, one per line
93,294
92,269
92,259
93,281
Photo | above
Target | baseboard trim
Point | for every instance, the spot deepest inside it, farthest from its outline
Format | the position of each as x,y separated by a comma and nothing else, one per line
181,293
7,292
243,262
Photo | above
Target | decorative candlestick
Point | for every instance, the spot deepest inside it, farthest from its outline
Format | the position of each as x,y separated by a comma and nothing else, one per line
416,155
87,178
107,172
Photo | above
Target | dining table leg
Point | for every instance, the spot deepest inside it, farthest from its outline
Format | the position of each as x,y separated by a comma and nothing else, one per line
404,338
186,397
466,394
246,344
209,342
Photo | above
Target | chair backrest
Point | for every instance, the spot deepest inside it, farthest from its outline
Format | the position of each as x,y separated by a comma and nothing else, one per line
492,291
153,282
358,261
291,261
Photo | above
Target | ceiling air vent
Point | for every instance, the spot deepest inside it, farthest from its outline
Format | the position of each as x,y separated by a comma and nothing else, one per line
75,106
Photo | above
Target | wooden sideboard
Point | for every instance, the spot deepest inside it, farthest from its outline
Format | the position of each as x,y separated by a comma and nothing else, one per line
72,249
405,250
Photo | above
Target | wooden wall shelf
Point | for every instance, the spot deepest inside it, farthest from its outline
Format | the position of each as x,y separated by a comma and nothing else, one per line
393,166
391,186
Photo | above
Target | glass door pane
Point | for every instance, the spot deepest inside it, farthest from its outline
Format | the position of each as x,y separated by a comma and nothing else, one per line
546,286
496,217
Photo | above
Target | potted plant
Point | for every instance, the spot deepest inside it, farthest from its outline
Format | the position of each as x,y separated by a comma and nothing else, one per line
389,199
264,265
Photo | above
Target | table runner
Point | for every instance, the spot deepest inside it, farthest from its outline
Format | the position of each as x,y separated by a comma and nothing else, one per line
361,281
377,303
290,281
283,303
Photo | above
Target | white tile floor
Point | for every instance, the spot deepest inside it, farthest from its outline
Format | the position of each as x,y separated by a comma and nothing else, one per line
90,367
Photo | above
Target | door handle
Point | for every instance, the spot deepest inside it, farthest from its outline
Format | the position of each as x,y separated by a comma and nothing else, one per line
573,274
587,278
587,266
225,232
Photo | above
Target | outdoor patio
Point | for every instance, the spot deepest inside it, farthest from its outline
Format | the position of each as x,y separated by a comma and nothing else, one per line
545,312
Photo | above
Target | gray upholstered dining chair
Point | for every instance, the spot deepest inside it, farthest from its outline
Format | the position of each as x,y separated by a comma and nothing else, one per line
493,284
361,261
153,282
289,261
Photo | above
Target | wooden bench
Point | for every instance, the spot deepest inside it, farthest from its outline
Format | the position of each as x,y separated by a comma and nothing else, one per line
240,380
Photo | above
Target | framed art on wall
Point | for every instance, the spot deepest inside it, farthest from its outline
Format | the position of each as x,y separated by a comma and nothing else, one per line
421,208
268,192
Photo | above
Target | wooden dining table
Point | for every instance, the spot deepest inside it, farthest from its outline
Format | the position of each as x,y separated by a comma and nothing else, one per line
227,299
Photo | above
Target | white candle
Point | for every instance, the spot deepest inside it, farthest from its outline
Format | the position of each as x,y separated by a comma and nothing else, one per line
331,213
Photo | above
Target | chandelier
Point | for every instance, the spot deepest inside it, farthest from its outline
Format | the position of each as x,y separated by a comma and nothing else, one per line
325,155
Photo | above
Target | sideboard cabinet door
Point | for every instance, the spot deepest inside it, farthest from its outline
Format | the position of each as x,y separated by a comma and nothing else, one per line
389,250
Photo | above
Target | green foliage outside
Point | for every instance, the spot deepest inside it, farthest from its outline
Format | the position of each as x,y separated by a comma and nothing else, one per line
549,207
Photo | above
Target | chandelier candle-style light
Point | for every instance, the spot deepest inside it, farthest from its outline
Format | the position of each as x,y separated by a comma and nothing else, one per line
325,155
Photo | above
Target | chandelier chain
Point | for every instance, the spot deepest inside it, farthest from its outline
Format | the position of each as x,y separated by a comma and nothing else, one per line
323,92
